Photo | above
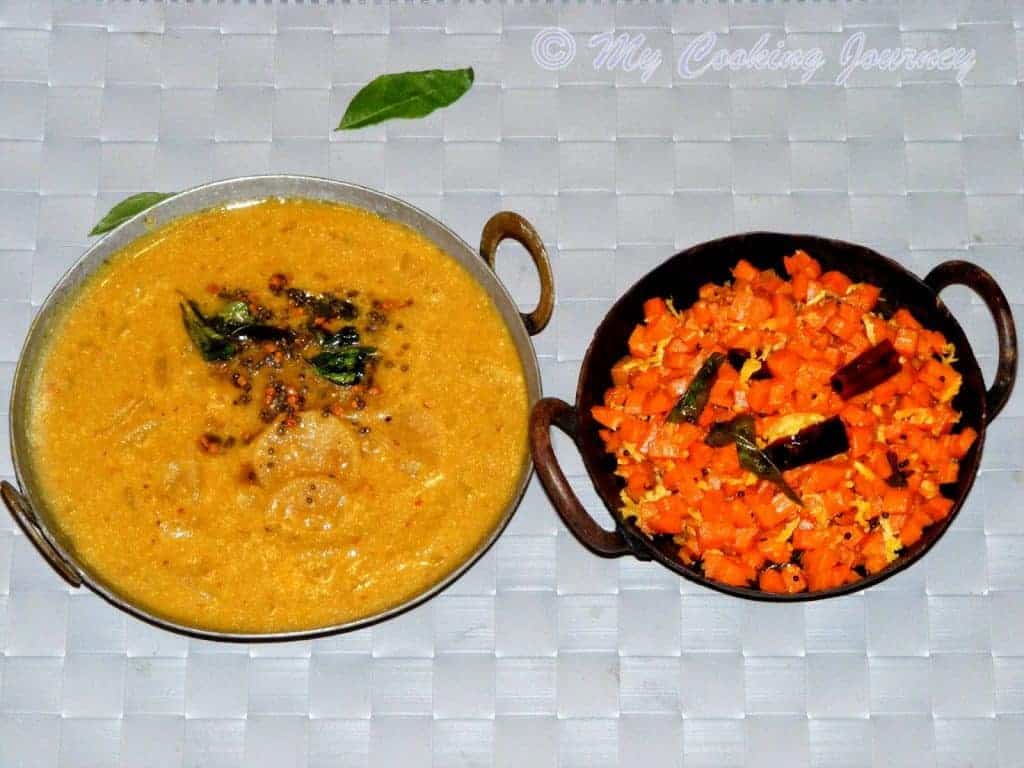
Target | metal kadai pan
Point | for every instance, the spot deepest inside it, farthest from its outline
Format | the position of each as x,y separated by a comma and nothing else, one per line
28,506
680,278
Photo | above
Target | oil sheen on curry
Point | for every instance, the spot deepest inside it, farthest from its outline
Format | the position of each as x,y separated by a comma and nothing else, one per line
278,417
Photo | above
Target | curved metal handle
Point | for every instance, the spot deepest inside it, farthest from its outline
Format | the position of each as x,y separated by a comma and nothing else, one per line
26,520
982,283
552,411
508,224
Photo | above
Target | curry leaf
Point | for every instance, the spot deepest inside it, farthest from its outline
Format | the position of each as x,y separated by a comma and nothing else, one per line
692,403
405,95
127,208
212,345
345,367
720,434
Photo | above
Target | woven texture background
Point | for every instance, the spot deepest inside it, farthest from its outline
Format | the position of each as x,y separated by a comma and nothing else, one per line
542,654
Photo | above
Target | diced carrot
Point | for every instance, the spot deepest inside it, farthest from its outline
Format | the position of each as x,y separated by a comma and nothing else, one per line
811,538
677,360
841,327
770,580
873,552
745,338
858,416
824,475
634,430
728,570
783,311
758,392
825,569
702,314
861,439
930,342
634,402
715,533
744,270
937,508
662,327
937,376
645,381
879,328
620,373
902,318
835,282
964,440
913,527
662,447
793,575
654,308
864,296
722,393
784,363
639,344
610,417
851,313
948,472
665,522
669,516
906,341
801,286
658,401
639,478
615,397
896,501
877,460
770,515
789,579
760,310
801,263
778,394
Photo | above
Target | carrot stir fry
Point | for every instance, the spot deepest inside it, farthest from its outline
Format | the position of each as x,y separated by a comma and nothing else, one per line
785,434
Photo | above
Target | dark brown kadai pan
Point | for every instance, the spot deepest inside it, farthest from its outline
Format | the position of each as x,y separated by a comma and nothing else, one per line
680,278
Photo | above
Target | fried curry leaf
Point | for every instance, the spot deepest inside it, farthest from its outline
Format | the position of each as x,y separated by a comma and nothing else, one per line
721,434
344,367
691,404
405,95
127,208
751,458
211,343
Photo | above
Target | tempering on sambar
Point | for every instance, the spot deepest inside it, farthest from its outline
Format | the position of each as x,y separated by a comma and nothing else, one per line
278,417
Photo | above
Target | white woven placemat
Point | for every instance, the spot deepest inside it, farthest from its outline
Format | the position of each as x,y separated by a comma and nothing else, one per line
543,654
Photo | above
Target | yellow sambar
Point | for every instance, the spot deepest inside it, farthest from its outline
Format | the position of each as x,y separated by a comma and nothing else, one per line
289,506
